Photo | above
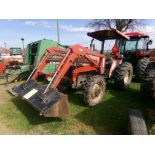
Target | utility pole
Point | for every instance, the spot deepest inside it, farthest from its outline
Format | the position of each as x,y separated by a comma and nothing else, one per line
23,52
5,45
58,33
22,39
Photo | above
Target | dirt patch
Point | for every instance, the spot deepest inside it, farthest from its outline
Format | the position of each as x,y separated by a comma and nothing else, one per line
5,131
1,102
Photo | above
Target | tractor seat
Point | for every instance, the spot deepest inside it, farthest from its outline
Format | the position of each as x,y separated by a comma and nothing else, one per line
108,62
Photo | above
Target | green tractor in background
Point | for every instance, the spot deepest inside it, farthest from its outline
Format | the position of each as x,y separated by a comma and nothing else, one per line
34,51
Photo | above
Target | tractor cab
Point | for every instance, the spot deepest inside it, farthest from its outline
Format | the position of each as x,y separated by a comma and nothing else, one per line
102,40
136,50
137,45
113,57
16,56
106,35
16,51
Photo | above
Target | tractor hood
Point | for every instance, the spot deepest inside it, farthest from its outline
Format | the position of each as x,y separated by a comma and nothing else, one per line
107,35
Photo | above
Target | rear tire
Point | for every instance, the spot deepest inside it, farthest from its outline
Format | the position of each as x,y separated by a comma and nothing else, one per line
137,125
147,87
123,75
94,90
141,66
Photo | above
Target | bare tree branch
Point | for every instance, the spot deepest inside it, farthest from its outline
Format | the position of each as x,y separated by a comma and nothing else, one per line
120,24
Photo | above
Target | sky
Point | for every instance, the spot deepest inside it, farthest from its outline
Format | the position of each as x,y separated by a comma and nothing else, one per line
72,31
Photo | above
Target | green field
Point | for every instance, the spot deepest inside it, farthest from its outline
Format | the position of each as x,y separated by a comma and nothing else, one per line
109,117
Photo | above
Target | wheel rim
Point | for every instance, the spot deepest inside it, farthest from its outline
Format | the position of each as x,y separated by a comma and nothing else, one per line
126,77
96,92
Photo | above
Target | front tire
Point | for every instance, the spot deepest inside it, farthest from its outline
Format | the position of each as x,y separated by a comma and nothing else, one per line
94,90
123,75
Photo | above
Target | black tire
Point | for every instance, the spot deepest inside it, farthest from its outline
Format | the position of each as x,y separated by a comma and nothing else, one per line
137,125
94,90
141,66
147,87
123,75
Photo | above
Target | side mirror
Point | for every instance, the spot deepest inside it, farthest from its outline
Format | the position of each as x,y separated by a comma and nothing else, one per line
150,42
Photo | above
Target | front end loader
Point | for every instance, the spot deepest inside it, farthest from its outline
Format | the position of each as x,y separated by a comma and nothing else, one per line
81,67
46,99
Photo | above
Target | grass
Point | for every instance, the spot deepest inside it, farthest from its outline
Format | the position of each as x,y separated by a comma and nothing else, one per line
109,117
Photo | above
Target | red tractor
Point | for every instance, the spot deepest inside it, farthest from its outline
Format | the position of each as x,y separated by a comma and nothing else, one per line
136,51
10,58
80,67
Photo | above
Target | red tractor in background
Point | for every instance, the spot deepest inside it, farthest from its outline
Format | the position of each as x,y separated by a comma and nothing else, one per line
10,58
136,51
80,66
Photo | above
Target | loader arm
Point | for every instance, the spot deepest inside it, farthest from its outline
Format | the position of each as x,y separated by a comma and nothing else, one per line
66,59
73,53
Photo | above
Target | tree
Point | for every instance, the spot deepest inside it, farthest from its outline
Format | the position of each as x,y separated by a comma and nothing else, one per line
120,24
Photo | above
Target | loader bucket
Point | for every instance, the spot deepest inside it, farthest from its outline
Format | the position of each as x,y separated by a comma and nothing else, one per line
50,104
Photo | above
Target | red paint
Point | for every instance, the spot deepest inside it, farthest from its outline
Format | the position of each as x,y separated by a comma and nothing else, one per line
139,53
115,51
2,68
137,34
